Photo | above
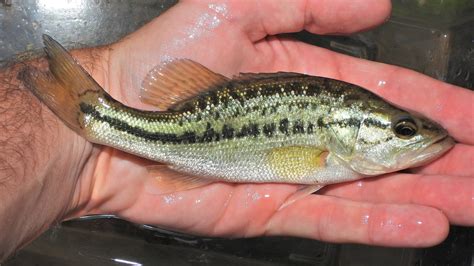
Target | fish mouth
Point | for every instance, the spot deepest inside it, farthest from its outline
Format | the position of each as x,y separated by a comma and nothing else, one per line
434,150
443,143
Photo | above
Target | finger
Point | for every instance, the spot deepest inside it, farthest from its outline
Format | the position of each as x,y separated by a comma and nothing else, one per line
339,220
457,162
317,16
452,195
448,104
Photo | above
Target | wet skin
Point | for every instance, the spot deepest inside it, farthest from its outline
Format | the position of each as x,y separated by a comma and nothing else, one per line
401,209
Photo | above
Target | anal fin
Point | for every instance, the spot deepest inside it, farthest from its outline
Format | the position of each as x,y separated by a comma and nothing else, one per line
298,164
299,194
166,180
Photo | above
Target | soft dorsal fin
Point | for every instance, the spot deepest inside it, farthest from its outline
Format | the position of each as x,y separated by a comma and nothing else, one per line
177,80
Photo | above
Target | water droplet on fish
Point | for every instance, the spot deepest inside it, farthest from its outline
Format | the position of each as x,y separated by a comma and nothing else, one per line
382,83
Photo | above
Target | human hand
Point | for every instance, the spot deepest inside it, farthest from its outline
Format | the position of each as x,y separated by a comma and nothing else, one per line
400,209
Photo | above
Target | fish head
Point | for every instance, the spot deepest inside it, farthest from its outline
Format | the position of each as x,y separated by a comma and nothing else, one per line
388,141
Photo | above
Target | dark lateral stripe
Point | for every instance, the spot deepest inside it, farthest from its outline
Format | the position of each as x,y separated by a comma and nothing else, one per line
188,137
269,129
209,135
249,130
298,127
376,123
284,124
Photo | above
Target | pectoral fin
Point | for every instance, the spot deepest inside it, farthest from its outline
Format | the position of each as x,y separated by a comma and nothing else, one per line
294,163
166,180
299,194
175,81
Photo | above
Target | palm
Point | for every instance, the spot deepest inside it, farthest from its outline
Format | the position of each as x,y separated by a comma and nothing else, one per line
345,212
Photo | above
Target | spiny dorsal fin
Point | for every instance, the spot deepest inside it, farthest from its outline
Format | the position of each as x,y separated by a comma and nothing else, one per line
175,81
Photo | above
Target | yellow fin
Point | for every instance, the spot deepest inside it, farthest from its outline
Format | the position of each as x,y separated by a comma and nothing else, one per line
296,162
299,194
60,89
180,79
167,180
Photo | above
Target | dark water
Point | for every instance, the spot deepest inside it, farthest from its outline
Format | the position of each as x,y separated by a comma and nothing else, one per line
105,240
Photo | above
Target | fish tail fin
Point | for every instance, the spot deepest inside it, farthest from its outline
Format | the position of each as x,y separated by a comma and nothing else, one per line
64,88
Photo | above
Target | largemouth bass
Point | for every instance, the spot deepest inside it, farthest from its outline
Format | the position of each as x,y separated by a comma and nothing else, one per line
274,127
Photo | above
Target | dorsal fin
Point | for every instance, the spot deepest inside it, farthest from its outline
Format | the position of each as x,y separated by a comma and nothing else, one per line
177,80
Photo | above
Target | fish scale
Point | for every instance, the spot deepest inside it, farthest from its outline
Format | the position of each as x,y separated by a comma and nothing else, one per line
240,116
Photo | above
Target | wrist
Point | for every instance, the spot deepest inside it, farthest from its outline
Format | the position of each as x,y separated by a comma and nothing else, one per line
31,197
42,161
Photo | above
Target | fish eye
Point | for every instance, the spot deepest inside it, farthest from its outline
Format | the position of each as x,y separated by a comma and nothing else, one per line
405,128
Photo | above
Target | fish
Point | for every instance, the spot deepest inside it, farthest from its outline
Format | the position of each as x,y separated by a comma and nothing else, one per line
253,128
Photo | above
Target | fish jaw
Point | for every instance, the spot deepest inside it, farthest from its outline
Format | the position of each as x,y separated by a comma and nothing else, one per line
415,158
433,151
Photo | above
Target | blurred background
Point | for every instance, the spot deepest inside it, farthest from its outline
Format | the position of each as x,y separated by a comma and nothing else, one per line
434,37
